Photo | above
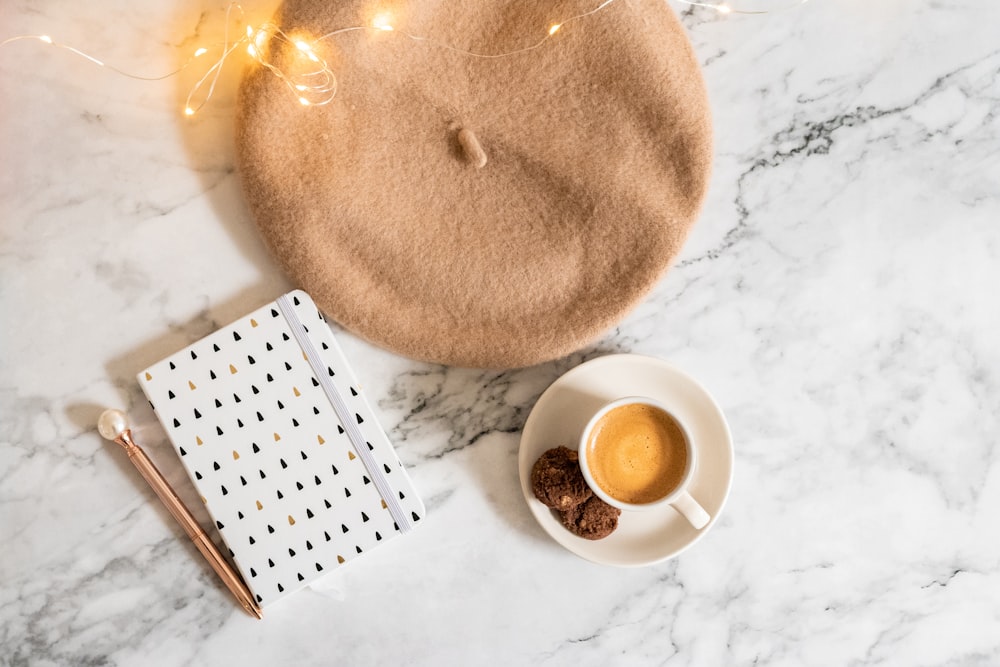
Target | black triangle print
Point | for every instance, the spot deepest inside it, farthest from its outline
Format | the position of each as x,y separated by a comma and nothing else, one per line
315,410
259,598
236,335
281,589
299,575
386,468
305,328
401,496
218,524
215,465
197,475
358,548
170,395
319,568
378,538
330,371
284,336
347,492
193,355
364,517
215,347
288,366
327,536
231,554
395,526
224,492
353,393
269,347
295,300
270,529
218,403
335,471
260,417
262,475
343,527
415,517
309,545
283,464
309,513
270,378
239,422
340,429
176,423
291,553
152,407
281,406
274,313
183,453
197,415
240,514
360,420
371,447
253,572
252,540
315,382
325,346
327,503
172,367
295,422
317,480
256,449
298,485
255,389
304,457
237,398
367,481
218,430
243,480
270,562
251,359
211,374
280,494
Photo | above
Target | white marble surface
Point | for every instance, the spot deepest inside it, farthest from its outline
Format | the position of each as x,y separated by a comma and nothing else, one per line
838,297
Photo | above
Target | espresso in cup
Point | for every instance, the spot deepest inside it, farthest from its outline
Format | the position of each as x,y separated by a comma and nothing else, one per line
637,453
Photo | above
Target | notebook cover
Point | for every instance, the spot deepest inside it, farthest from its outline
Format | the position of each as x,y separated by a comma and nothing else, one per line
290,494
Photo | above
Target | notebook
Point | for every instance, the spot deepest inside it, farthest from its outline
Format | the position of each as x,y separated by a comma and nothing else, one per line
276,434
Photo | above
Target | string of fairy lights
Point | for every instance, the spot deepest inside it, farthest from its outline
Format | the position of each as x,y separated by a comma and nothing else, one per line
309,78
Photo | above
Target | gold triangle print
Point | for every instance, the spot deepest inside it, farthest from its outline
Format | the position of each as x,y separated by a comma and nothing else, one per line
340,559
236,455
291,520
296,391
253,322
199,440
232,369
384,506
148,376
351,456
320,439
277,437
191,384
259,506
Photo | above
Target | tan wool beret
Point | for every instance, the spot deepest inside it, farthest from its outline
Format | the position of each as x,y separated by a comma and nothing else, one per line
474,211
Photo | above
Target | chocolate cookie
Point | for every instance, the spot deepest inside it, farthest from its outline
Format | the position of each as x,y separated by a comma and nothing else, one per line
557,481
592,520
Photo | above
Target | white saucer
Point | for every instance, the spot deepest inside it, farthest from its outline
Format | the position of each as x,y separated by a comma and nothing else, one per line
558,418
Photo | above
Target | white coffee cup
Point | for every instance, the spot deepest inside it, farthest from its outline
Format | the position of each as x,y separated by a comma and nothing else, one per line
644,454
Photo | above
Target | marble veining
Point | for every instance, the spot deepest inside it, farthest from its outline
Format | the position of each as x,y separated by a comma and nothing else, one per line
836,297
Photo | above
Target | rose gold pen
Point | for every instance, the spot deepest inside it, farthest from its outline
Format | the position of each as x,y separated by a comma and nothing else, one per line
114,426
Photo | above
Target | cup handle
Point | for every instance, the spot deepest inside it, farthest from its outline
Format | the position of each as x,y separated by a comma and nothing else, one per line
691,510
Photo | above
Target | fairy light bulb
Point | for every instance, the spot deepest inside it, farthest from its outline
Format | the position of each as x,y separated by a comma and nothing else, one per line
382,22
188,111
45,38
200,52
554,29
724,9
